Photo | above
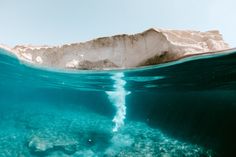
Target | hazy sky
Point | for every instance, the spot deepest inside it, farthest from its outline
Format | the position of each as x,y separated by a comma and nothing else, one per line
62,21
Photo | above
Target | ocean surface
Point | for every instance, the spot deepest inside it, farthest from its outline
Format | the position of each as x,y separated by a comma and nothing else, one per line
184,108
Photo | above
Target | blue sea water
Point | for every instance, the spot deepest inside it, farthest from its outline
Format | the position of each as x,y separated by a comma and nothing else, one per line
183,108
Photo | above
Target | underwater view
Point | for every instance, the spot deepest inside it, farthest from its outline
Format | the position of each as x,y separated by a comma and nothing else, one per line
184,108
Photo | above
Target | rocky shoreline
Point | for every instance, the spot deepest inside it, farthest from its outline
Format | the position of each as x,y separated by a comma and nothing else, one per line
153,46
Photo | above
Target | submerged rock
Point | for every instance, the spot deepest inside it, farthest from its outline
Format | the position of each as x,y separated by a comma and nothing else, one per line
44,143
153,46
39,145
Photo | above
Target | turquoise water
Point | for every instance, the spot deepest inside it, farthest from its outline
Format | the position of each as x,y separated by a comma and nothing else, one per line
181,109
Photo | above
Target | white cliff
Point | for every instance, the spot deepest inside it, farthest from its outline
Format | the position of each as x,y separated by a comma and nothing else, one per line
153,46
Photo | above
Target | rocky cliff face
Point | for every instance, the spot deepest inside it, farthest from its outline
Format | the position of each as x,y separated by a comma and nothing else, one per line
153,46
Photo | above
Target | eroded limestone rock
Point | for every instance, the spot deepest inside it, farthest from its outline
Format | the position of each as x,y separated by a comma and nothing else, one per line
153,46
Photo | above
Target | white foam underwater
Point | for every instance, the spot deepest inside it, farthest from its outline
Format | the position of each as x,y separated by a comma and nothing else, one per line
117,98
